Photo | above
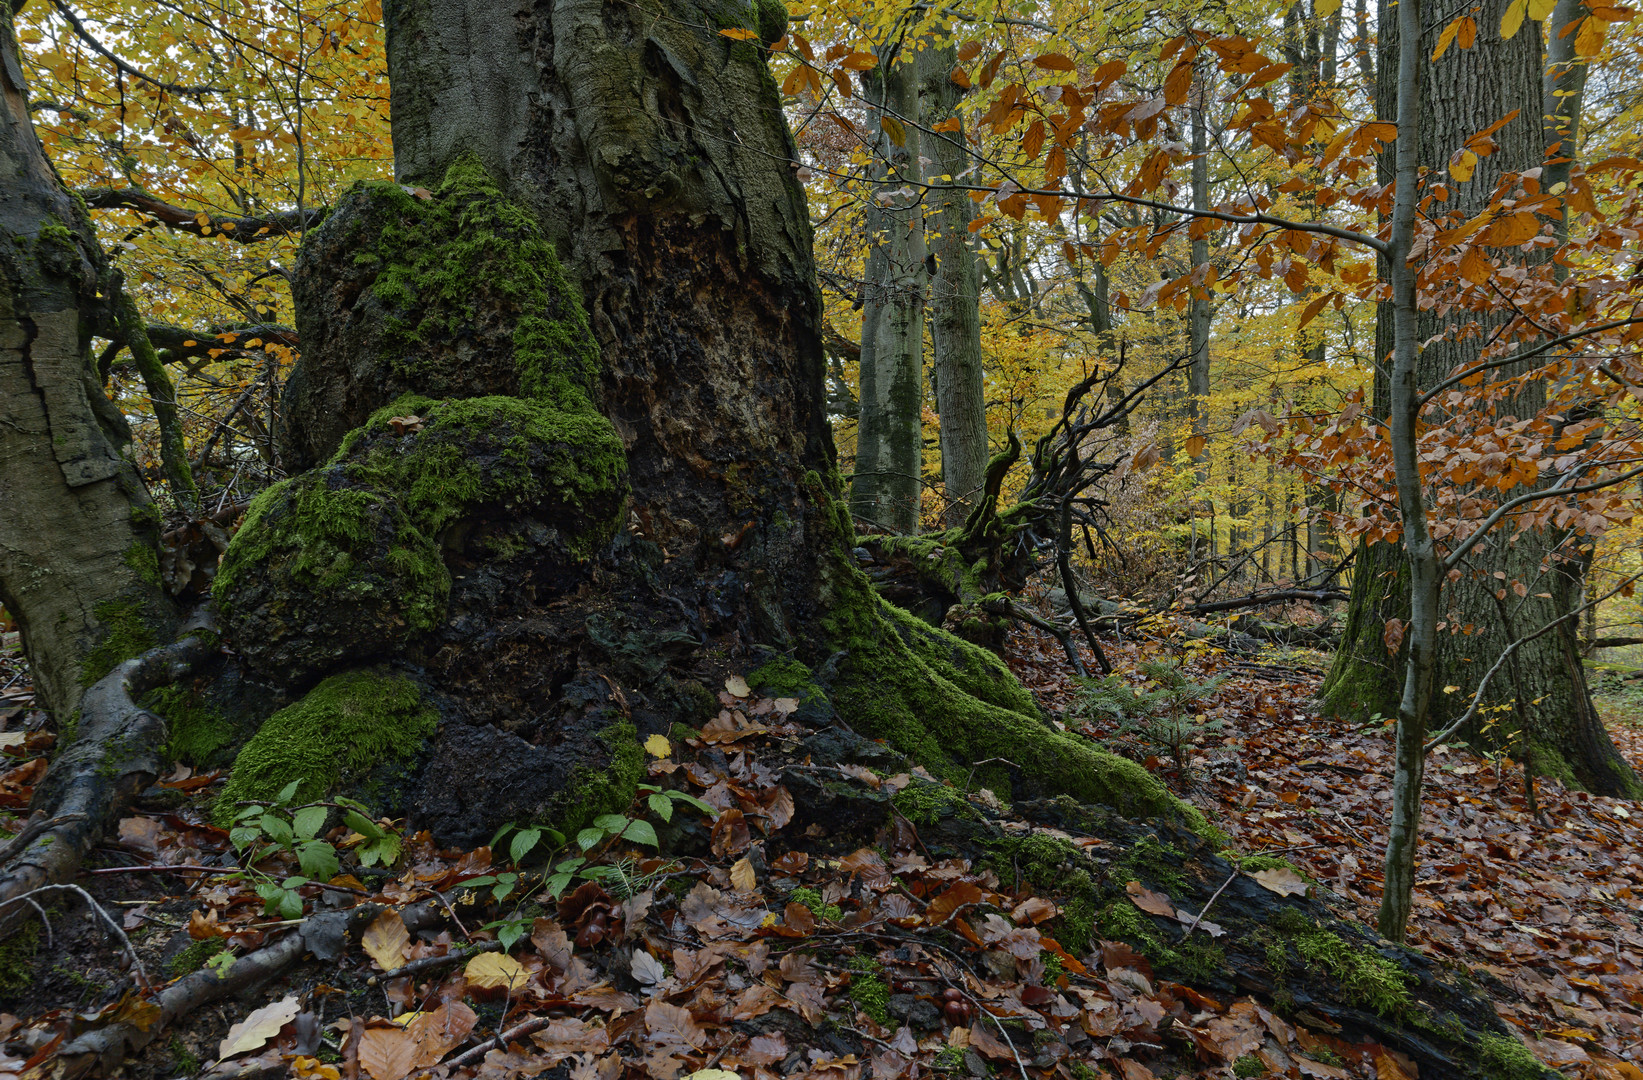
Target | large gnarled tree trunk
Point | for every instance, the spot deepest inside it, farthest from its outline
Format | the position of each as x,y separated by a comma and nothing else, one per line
546,511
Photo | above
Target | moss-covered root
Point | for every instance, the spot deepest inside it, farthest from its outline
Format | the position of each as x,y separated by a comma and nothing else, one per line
346,730
953,706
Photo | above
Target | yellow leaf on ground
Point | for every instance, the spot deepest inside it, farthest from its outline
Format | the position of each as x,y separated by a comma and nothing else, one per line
255,1030
385,940
657,746
737,686
495,971
742,876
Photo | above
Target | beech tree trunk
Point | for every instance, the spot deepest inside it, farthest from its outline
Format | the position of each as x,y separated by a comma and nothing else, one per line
955,297
1464,93
890,436
78,533
552,501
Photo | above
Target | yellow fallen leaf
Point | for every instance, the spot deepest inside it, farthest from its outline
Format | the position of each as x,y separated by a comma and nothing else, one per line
657,746
495,971
255,1030
737,686
742,876
385,940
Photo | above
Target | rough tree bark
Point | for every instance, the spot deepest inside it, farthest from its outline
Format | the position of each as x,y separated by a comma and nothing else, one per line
1464,93
78,533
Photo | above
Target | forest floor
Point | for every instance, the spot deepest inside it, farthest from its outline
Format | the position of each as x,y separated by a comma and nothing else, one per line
797,938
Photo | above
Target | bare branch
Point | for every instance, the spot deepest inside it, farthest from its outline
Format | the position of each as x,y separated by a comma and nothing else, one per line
243,230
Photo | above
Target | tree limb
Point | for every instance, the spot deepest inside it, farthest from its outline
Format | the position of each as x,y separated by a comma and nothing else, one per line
242,230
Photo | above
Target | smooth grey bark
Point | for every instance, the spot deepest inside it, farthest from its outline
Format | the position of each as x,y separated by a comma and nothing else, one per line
78,534
955,297
885,492
1563,86
1403,833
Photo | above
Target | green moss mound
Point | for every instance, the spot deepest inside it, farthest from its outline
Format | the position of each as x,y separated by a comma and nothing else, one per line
465,258
344,730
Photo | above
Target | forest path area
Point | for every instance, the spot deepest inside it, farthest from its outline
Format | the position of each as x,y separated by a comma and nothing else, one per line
1548,913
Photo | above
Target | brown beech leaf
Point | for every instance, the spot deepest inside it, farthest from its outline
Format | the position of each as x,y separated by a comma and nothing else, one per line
1153,903
387,1053
1281,880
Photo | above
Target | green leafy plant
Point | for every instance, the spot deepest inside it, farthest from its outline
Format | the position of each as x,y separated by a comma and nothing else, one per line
1161,716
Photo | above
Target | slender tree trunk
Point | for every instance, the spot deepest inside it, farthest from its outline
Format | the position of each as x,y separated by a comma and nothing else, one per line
955,297
888,495
78,534
1199,311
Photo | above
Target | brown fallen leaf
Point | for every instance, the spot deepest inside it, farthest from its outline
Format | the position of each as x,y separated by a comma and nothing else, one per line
742,876
387,1053
1281,880
1153,903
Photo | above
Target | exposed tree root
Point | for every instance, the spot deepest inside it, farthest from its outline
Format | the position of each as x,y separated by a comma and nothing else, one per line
115,754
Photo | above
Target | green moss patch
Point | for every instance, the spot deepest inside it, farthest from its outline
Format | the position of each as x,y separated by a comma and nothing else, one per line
342,730
1369,979
126,634
198,734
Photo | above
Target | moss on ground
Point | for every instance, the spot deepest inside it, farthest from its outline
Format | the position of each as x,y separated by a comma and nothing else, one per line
17,958
193,957
924,803
197,733
812,899
340,731
1507,1058
868,989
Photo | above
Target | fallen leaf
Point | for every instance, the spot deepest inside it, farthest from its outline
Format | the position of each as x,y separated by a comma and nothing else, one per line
736,686
742,876
1153,903
435,1034
1281,880
255,1030
387,1053
495,971
385,940
657,746
646,969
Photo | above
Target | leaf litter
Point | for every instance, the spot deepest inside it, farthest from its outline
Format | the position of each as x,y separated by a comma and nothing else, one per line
771,952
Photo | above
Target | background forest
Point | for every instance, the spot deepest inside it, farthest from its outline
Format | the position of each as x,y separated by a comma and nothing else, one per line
1260,381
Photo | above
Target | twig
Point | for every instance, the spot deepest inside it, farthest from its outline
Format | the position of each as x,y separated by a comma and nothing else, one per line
92,904
433,963
495,1042
1198,918
22,839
